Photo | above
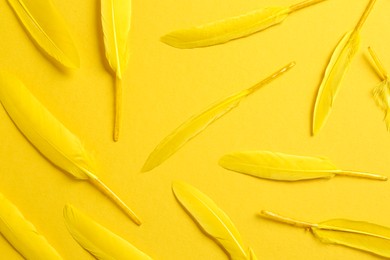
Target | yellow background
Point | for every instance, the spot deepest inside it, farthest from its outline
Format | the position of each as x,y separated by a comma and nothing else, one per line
163,87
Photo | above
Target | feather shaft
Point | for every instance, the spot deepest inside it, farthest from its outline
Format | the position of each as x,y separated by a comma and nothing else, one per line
116,23
212,220
48,29
98,240
196,124
286,167
228,29
335,72
23,235
360,235
49,136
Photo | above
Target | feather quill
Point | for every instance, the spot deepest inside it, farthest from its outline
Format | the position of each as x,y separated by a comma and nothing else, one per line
48,29
381,92
196,124
50,137
212,220
116,21
335,71
98,240
22,235
360,235
285,167
222,31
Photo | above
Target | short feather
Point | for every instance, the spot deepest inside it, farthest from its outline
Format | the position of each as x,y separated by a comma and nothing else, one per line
48,29
226,30
212,220
49,136
22,235
335,71
98,240
116,21
381,95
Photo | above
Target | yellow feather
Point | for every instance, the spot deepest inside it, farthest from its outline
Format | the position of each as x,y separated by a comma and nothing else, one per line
196,124
98,240
231,28
360,235
212,220
22,235
335,71
49,136
116,21
285,167
46,26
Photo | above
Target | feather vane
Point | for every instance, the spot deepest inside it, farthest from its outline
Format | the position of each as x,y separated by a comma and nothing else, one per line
360,235
212,220
285,167
196,124
231,28
48,29
98,240
49,136
23,235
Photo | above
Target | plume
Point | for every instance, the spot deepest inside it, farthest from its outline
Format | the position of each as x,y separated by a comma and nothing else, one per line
50,137
116,20
360,235
48,29
98,240
22,235
285,167
196,124
225,30
212,220
381,92
335,71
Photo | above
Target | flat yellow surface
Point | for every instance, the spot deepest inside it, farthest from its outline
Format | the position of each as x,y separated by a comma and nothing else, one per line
163,87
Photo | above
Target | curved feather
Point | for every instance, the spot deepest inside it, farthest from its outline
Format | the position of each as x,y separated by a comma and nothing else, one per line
222,31
212,220
46,26
381,95
196,124
116,20
356,234
22,235
334,73
278,166
51,138
98,240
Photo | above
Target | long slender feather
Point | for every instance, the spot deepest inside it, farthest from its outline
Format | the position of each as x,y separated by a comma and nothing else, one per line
116,22
360,235
196,124
98,240
48,29
285,167
22,235
212,220
225,30
50,137
335,71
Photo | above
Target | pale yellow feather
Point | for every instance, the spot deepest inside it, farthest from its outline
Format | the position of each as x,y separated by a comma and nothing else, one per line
48,29
23,235
196,124
98,240
116,21
50,137
212,220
